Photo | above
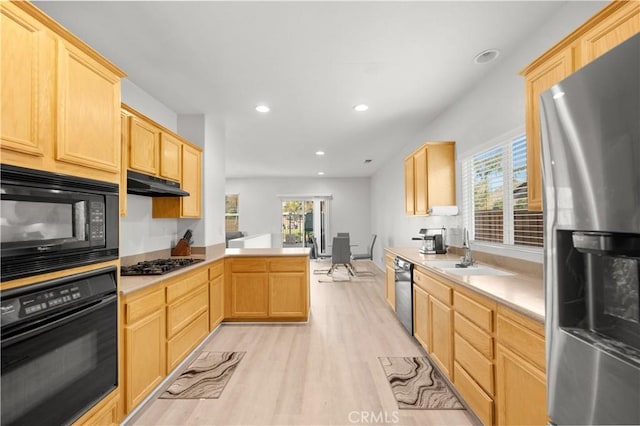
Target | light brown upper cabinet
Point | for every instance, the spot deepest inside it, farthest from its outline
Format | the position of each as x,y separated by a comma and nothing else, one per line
191,181
617,22
144,144
429,178
60,98
170,157
124,160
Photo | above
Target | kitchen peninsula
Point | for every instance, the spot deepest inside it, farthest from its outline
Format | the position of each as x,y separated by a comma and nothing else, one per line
165,317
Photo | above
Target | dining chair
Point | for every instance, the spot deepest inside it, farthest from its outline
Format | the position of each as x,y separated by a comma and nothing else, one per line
369,253
341,255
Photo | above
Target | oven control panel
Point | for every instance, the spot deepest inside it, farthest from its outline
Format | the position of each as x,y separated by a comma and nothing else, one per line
17,308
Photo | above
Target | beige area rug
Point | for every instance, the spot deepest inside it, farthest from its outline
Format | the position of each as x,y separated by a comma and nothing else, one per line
206,376
417,385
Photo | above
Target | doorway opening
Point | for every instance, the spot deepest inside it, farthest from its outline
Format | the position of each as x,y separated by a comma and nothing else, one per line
303,219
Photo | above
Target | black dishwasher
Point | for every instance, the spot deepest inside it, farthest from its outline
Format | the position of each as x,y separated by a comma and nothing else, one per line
404,292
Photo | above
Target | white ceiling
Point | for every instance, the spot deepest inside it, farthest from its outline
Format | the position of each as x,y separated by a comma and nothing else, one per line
311,62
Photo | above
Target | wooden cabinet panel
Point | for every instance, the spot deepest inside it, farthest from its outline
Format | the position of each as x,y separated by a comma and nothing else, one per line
420,181
216,269
479,314
287,264
104,413
478,338
523,340
145,357
22,92
182,312
170,157
216,301
537,81
480,402
140,307
521,390
287,294
441,328
435,288
191,182
479,367
144,142
88,112
249,294
421,317
390,286
124,160
183,343
441,176
252,264
617,27
409,187
186,283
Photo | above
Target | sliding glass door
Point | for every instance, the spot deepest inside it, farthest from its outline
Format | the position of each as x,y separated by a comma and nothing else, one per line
303,219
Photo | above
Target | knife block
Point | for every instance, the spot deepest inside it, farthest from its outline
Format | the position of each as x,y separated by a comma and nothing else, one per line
182,248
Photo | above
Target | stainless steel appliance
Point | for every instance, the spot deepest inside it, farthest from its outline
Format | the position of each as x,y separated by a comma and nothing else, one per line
433,241
51,221
591,157
157,266
404,292
59,348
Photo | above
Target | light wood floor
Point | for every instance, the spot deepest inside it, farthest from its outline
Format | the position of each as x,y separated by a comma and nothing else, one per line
325,372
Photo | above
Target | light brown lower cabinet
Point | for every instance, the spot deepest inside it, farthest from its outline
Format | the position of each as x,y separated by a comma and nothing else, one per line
441,351
390,282
216,294
105,413
421,316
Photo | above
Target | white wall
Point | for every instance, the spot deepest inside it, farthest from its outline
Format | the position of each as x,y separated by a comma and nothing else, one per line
494,107
260,208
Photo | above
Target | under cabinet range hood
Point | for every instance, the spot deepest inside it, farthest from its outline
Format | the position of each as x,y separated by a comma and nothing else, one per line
151,186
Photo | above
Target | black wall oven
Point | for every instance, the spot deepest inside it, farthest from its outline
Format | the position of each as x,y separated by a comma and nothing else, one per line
59,348
52,222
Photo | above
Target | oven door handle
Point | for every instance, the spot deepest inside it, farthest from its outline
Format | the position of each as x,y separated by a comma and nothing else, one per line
41,328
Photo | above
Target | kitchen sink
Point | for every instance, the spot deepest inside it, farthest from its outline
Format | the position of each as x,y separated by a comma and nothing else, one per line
450,267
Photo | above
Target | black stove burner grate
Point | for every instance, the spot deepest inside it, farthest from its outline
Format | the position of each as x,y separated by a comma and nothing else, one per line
157,266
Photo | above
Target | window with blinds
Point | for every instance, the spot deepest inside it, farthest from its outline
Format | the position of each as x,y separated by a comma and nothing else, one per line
495,199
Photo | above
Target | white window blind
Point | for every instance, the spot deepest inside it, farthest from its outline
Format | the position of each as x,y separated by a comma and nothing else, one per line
495,199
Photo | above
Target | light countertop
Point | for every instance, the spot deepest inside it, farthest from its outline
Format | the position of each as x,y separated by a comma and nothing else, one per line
521,292
130,284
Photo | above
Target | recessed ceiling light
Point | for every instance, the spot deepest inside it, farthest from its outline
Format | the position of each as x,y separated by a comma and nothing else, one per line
361,107
263,108
486,56
320,173
319,153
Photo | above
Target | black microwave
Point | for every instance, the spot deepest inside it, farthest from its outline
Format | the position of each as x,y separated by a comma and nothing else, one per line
50,221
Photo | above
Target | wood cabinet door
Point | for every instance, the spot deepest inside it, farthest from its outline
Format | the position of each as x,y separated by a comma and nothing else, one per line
409,187
249,294
124,160
144,141
614,29
390,286
441,333
145,357
287,294
20,115
170,157
420,179
216,301
88,111
421,316
521,390
441,175
191,181
542,78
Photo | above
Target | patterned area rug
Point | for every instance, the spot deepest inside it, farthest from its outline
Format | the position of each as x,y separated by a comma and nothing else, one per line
417,385
206,376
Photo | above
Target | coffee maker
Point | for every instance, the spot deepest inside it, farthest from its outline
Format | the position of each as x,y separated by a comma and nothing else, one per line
433,241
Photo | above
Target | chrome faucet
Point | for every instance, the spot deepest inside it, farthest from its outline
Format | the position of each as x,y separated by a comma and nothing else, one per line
467,259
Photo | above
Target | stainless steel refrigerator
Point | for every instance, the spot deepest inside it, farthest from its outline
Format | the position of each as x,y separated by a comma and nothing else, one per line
591,171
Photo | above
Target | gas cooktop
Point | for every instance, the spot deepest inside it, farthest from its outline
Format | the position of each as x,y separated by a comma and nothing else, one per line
157,266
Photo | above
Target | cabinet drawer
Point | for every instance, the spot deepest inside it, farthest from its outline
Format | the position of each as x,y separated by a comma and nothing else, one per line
183,311
186,283
249,265
522,340
216,269
474,335
477,399
435,288
139,308
479,367
184,342
474,311
288,264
